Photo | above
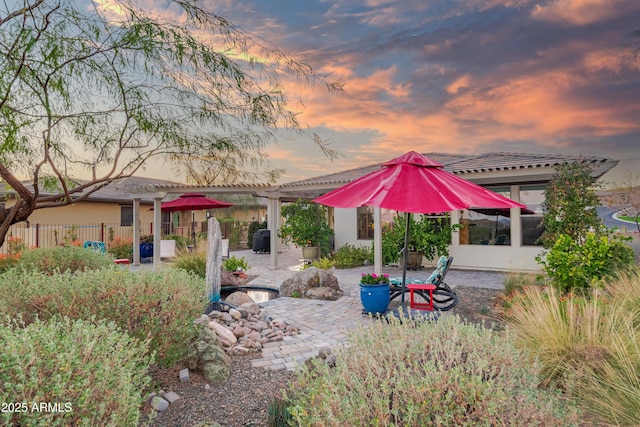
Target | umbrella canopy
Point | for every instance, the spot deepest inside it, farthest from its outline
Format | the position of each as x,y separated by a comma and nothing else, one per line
193,202
413,183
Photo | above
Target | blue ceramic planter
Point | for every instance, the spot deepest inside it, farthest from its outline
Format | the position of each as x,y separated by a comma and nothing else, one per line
375,298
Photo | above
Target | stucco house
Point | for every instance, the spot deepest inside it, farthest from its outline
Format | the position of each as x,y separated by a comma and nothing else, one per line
489,240
108,213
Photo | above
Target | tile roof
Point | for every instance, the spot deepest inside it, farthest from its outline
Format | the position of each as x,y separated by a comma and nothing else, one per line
463,163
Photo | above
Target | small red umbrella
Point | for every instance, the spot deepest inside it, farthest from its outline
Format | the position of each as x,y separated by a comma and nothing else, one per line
413,183
193,202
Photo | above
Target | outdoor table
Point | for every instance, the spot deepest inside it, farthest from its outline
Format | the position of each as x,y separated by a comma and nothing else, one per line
421,287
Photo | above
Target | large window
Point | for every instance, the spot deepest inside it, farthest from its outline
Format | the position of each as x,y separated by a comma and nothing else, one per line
365,223
487,226
533,197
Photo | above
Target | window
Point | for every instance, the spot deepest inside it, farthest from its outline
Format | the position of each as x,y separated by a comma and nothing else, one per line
126,215
487,226
533,197
365,223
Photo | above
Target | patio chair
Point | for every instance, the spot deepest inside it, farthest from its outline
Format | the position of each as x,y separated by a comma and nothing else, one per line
444,298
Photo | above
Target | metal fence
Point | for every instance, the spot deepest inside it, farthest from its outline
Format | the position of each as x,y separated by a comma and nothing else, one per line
50,235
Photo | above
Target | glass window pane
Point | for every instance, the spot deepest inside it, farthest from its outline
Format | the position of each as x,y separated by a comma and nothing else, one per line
533,197
365,223
486,227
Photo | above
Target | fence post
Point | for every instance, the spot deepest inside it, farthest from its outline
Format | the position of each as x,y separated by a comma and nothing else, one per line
37,235
102,231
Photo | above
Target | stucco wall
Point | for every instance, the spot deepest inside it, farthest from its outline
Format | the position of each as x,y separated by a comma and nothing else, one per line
84,213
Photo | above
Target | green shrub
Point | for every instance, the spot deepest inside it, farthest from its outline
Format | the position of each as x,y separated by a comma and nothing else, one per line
426,373
94,374
350,256
194,262
121,248
161,304
322,263
63,258
578,266
588,346
233,264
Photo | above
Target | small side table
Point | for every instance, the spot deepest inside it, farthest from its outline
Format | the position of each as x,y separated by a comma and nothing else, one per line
421,287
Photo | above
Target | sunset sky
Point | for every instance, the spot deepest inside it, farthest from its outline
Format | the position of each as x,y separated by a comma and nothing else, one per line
467,76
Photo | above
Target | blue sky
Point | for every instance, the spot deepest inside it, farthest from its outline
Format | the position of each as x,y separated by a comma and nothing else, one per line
466,76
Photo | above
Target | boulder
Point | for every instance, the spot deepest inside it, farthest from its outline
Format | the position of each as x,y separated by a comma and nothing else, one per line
238,298
228,279
250,307
209,357
313,283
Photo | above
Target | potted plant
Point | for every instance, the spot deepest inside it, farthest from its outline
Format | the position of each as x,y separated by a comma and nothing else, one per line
428,237
305,224
375,292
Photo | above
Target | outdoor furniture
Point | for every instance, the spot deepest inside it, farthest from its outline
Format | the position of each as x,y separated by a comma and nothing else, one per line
98,246
443,297
122,261
428,287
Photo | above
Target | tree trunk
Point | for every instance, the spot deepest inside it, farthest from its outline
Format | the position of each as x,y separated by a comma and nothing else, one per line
214,262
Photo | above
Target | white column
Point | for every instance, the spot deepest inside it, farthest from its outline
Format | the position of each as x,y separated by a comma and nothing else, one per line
136,231
157,230
377,240
273,224
516,223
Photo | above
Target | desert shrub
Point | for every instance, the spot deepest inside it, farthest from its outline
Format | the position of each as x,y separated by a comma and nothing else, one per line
121,248
194,262
94,372
233,264
63,258
587,345
426,373
161,304
580,265
350,256
322,263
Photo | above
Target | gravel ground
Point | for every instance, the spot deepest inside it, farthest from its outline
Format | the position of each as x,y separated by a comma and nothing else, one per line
243,399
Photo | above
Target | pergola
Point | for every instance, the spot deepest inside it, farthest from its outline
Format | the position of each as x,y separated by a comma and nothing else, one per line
275,195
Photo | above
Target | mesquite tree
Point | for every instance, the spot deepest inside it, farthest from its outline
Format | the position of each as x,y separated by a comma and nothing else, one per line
99,88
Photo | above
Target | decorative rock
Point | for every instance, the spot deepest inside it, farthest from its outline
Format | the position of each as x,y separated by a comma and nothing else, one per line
226,317
302,282
331,360
184,375
171,397
250,307
214,314
203,320
324,352
239,299
209,357
259,326
239,331
235,314
207,387
159,404
222,332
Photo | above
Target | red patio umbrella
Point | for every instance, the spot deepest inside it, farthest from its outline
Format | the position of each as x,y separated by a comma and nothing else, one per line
193,202
413,183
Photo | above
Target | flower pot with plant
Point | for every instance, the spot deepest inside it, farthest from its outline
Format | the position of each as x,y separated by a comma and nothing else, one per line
306,225
375,292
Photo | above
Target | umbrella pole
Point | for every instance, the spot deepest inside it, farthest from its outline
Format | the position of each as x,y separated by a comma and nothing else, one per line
404,257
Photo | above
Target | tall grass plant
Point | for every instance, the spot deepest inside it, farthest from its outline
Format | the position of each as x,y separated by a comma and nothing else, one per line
587,345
